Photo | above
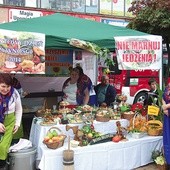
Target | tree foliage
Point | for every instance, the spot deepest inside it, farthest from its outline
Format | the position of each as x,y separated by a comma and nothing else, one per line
138,5
153,17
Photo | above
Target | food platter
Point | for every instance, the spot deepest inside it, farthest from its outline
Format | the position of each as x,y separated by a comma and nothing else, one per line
75,119
47,123
64,111
75,122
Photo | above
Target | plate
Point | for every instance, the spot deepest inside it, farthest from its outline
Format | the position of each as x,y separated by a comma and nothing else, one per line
75,122
47,124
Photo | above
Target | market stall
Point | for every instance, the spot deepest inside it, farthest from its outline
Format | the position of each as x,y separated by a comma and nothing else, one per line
86,35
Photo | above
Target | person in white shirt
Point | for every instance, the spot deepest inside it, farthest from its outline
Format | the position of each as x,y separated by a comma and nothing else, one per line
10,115
70,87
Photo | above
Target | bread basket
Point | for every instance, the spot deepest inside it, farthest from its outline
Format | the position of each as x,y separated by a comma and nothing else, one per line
102,118
103,115
128,115
137,126
154,131
154,128
54,142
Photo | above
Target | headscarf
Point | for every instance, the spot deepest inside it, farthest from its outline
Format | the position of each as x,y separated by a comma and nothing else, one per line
4,101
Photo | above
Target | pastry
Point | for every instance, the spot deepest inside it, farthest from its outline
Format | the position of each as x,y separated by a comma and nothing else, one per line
38,51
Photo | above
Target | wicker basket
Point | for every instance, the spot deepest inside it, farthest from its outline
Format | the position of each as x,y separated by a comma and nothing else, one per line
55,144
155,128
152,131
102,118
138,125
128,116
162,167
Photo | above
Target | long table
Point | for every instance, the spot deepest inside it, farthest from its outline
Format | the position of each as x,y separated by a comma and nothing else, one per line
105,156
38,132
124,155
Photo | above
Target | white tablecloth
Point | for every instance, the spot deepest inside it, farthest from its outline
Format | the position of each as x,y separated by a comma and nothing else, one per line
106,156
38,132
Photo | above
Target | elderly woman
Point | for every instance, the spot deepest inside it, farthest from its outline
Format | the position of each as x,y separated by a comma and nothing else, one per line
73,92
10,115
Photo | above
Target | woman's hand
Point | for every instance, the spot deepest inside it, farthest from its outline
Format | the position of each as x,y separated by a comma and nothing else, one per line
15,129
86,96
165,108
2,128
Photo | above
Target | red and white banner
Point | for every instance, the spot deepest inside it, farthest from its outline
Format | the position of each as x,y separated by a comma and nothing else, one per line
139,52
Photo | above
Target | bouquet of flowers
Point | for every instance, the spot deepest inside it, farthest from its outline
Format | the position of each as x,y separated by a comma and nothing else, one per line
158,158
138,107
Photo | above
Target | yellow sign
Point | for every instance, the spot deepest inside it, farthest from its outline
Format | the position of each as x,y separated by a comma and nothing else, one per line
153,110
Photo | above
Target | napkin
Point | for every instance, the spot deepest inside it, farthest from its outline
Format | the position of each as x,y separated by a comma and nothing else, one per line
22,144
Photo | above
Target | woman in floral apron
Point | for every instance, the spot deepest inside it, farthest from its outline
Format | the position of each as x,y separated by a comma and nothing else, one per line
10,115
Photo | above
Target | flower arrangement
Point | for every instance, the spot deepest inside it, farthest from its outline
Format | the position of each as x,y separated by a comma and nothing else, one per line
158,158
138,107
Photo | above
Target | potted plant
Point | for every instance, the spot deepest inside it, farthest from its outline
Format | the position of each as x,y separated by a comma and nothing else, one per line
158,158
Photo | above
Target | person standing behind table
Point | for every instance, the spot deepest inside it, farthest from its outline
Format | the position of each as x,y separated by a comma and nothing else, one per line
166,124
152,93
10,115
17,86
105,92
70,87
85,86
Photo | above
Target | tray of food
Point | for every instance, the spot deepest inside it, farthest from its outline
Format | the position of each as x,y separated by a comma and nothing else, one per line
75,119
48,119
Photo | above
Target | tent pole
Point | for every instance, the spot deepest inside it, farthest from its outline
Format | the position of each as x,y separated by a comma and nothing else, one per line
161,72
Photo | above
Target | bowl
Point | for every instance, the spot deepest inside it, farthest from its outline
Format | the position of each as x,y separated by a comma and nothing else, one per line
74,143
138,135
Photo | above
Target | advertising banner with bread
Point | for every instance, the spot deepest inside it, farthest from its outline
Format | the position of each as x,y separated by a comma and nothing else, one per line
22,52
